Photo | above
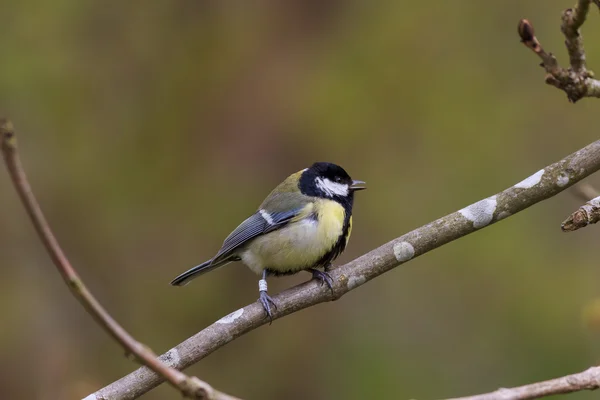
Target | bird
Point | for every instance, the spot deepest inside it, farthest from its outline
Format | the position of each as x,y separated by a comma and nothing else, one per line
303,224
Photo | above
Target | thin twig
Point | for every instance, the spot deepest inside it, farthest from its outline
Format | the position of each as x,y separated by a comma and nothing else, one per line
586,380
587,214
577,81
528,38
189,386
541,185
572,19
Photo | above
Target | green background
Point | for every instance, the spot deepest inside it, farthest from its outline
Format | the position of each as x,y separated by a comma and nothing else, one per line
150,129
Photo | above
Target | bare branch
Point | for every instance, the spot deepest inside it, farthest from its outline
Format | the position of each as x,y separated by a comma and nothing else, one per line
586,380
572,19
589,213
189,387
528,38
577,81
543,184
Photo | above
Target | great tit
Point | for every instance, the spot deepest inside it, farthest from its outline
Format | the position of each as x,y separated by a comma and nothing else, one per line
303,224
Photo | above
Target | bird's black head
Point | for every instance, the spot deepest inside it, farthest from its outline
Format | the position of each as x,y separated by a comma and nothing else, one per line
330,181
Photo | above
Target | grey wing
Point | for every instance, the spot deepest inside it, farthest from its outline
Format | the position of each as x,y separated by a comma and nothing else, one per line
258,224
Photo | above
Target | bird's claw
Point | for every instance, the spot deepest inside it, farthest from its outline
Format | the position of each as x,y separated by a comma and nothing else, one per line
324,277
266,302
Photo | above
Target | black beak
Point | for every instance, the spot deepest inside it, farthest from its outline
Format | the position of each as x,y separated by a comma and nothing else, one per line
358,185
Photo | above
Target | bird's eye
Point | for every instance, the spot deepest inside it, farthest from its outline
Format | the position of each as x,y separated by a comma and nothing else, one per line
338,179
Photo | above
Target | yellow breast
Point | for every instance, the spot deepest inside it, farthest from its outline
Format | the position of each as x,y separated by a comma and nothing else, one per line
302,243
331,221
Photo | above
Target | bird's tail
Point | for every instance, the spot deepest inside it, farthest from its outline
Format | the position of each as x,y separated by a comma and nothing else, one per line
198,270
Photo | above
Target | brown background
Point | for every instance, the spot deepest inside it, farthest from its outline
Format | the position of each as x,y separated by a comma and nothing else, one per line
150,129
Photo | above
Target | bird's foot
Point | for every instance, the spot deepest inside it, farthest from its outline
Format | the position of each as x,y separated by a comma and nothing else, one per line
324,277
267,301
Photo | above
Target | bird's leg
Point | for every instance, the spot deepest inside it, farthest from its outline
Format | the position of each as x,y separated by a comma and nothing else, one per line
324,277
264,298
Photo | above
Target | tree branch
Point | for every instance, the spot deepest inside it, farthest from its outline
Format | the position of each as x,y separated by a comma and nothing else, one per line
589,213
586,380
577,81
572,19
543,184
189,386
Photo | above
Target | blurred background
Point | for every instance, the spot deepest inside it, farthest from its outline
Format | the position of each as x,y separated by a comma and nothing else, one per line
149,130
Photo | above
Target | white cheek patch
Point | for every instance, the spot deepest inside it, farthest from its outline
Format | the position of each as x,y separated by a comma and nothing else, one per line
332,188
